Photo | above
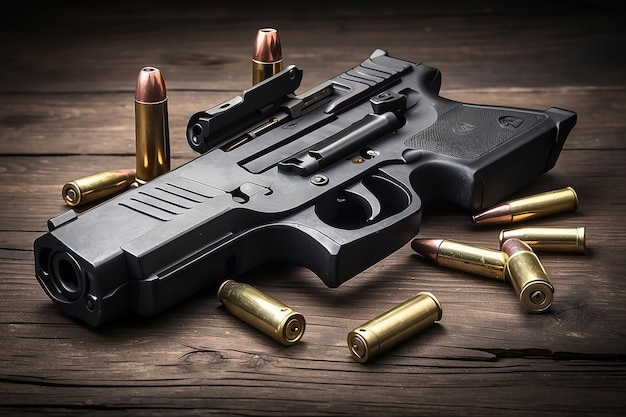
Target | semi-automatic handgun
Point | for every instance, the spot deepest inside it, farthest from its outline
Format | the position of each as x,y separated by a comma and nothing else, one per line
332,179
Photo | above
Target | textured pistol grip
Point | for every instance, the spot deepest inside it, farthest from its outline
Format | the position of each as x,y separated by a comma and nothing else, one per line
480,154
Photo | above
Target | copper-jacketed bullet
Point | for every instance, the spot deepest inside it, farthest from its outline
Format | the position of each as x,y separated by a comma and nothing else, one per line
267,55
549,239
97,186
394,326
463,257
531,207
152,137
528,276
262,311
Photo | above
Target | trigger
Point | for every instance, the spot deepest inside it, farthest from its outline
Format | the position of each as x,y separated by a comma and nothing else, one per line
359,194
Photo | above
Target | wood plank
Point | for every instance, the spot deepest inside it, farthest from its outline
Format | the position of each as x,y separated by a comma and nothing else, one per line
177,364
201,345
196,44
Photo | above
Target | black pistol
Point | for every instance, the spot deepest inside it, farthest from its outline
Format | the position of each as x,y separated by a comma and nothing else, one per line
332,179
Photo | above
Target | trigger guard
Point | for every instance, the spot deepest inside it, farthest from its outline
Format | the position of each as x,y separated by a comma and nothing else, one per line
336,253
368,201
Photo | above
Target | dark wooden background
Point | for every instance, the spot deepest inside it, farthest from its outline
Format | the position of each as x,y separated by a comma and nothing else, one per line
67,78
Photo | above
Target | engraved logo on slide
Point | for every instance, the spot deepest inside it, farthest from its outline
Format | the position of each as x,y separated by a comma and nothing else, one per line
462,128
510,122
291,125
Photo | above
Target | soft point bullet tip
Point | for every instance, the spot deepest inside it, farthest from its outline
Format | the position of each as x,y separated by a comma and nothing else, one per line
150,86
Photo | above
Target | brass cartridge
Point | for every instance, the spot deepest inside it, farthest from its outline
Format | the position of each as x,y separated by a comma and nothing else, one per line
97,186
528,276
394,326
152,138
262,311
549,239
486,262
534,206
267,55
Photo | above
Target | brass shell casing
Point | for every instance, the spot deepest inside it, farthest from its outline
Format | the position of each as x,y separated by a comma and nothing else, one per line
97,186
489,263
152,140
394,326
526,208
528,276
262,311
543,204
263,70
549,239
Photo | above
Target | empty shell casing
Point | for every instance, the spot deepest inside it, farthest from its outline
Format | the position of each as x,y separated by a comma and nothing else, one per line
394,326
550,239
262,311
97,186
528,276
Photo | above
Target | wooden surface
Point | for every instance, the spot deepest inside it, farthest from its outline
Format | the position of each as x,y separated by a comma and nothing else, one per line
67,82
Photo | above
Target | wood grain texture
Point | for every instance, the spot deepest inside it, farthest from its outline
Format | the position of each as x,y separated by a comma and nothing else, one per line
66,110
